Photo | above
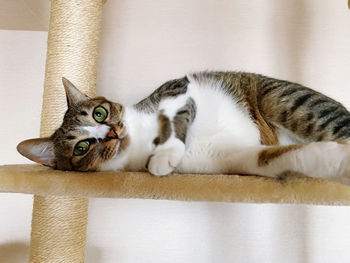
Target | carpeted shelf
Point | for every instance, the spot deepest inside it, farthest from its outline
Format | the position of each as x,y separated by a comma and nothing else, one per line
39,180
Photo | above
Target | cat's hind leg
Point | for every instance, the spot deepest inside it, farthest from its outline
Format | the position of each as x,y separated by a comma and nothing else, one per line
327,160
174,118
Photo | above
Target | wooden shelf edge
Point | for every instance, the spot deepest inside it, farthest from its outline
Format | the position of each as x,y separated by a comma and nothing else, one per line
39,180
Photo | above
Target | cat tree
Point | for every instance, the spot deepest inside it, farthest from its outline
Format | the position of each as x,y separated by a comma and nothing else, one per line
61,198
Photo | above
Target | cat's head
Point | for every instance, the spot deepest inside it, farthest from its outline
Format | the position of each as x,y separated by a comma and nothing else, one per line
92,132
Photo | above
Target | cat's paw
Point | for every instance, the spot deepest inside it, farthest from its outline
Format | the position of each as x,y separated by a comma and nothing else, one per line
166,157
329,160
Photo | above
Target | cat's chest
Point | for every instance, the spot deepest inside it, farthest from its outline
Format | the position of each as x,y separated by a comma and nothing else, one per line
220,120
221,126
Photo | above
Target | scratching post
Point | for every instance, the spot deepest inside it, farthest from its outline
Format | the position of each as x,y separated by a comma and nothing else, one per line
59,223
58,229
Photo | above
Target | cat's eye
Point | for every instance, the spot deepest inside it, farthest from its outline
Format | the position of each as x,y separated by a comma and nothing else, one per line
81,148
100,114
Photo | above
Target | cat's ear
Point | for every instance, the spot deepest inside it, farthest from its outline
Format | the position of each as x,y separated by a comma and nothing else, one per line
39,150
73,94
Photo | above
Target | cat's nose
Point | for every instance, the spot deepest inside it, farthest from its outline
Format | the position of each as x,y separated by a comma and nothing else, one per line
112,134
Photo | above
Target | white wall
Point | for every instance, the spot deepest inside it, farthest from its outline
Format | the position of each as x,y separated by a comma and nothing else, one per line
22,67
147,42
172,232
30,15
22,64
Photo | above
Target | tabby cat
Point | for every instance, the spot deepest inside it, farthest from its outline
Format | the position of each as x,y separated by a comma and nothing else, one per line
207,122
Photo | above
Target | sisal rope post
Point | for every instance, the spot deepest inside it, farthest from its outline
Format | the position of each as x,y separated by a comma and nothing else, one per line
59,223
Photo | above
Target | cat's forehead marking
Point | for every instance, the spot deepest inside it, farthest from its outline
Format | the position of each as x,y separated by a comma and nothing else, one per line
98,132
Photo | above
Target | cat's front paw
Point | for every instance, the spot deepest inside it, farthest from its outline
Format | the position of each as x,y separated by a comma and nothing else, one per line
166,157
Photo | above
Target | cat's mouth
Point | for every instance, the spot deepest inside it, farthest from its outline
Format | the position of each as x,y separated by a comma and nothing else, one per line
114,144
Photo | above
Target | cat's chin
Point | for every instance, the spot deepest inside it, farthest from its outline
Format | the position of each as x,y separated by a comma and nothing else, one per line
117,162
124,144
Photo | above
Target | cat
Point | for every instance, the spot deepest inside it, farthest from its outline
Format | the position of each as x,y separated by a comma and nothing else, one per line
206,122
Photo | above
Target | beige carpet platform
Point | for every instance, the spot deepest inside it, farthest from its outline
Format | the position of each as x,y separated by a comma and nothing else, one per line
39,180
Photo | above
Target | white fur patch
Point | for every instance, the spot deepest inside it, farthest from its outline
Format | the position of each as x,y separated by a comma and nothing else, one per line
98,132
171,105
286,137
